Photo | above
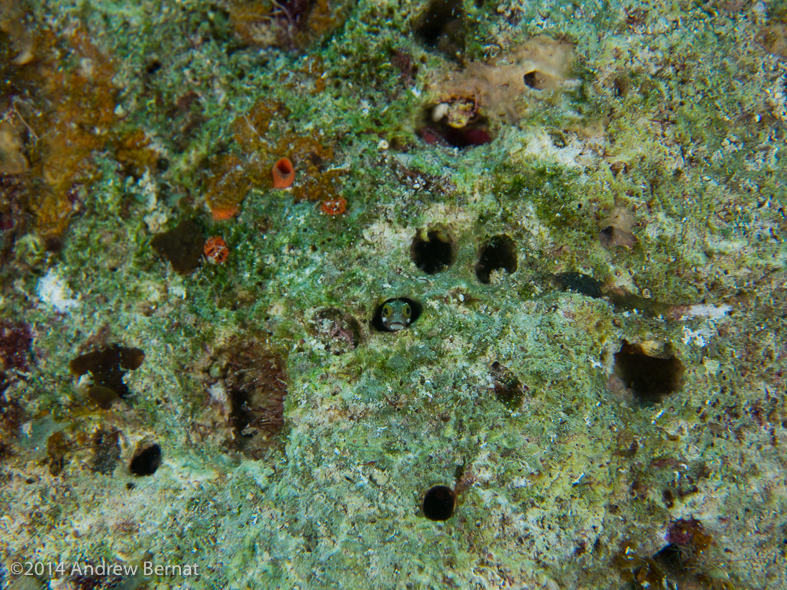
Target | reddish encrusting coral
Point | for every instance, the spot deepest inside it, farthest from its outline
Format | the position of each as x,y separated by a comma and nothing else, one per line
470,136
254,385
15,341
334,206
689,533
216,250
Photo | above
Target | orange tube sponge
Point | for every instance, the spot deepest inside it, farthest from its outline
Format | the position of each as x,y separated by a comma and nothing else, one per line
283,174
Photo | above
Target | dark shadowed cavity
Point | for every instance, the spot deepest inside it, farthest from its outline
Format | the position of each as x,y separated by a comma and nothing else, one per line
650,378
439,503
146,460
499,253
434,252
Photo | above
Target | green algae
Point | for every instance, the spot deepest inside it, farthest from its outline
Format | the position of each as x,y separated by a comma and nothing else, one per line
550,485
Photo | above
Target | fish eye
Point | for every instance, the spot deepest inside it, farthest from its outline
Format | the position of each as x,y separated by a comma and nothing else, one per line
386,310
407,311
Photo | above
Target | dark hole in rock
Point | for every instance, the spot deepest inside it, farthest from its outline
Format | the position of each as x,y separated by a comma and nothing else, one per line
649,378
621,85
617,229
671,558
439,503
182,246
152,67
396,314
618,168
53,244
340,332
442,26
146,460
256,386
473,134
106,451
610,236
535,80
496,254
434,252
579,283
107,368
508,388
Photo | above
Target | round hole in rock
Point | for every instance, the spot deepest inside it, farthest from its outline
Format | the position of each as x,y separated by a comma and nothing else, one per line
146,460
536,80
435,252
649,373
496,254
439,503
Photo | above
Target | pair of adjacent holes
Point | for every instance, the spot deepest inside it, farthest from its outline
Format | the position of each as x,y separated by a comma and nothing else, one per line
437,249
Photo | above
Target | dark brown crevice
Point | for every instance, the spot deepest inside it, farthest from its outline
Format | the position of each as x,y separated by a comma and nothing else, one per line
182,246
536,80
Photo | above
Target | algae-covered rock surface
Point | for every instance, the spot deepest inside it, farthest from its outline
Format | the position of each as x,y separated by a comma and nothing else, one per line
516,322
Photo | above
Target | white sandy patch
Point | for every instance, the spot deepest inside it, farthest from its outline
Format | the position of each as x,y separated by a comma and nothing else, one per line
53,291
